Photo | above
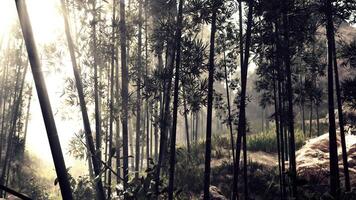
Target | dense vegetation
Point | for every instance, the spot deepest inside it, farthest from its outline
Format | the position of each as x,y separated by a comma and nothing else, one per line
194,99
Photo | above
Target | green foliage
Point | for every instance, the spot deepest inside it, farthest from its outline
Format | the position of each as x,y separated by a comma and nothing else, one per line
349,92
83,188
31,187
76,146
220,145
267,142
263,181
143,187
187,168
25,180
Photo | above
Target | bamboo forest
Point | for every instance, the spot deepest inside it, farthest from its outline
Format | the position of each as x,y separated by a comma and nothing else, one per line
178,99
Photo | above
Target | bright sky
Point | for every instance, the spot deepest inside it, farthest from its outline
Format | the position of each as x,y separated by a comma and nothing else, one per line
47,25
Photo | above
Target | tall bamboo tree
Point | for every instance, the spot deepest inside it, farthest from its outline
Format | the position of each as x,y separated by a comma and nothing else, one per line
334,166
242,106
210,102
47,113
88,133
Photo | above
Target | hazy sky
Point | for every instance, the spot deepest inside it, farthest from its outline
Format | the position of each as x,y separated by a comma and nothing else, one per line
47,25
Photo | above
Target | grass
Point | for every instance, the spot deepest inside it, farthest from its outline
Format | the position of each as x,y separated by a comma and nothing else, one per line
267,142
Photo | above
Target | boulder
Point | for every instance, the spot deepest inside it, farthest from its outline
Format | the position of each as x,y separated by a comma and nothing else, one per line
215,194
313,159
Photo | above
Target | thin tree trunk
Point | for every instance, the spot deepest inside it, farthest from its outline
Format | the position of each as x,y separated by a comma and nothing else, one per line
334,168
142,148
111,104
86,122
147,136
244,136
156,133
124,94
171,49
27,117
151,133
277,121
138,101
132,160
4,97
341,118
311,119
242,113
290,115
117,119
197,125
175,101
317,120
106,121
186,120
280,109
148,147
19,86
244,149
303,118
267,118
262,119
47,113
210,103
96,88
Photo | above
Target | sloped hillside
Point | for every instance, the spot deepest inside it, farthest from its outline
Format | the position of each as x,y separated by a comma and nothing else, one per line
313,159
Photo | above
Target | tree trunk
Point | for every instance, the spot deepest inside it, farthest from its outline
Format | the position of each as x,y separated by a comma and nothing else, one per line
280,109
88,134
303,118
117,119
27,117
317,120
186,121
151,134
156,133
96,88
267,118
132,159
277,121
111,103
138,101
262,119
197,126
47,113
124,94
142,148
210,103
341,118
4,96
311,119
175,101
165,121
242,113
148,147
334,168
19,86
290,115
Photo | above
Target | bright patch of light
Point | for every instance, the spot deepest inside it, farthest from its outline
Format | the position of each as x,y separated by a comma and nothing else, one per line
47,25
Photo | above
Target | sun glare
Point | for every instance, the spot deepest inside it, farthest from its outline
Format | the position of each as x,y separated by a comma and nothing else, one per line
47,26
44,14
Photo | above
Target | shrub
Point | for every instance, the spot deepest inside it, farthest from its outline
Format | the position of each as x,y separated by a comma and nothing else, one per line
267,141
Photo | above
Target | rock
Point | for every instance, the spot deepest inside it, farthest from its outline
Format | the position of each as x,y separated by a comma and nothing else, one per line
313,159
215,194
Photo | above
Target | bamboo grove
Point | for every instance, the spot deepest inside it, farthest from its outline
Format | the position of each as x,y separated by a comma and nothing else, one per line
158,81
